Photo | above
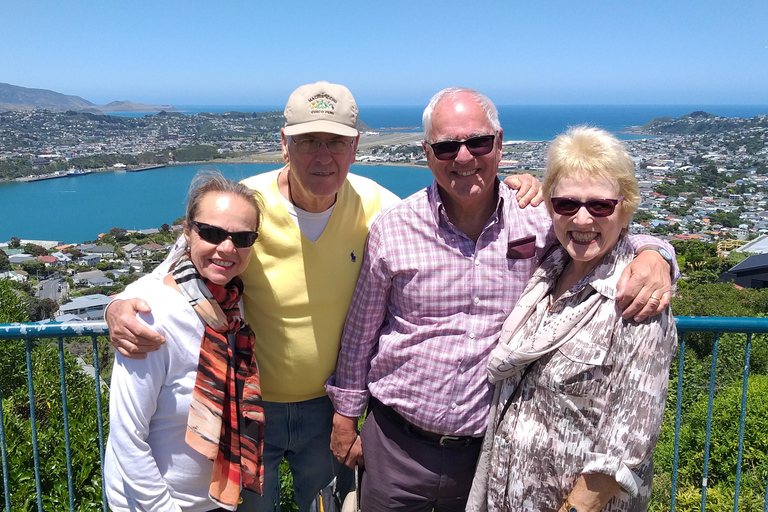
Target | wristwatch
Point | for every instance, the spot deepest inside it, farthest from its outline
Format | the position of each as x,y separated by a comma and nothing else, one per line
662,252
569,507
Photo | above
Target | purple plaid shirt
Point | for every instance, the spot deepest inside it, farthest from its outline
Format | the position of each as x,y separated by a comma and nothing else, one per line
428,308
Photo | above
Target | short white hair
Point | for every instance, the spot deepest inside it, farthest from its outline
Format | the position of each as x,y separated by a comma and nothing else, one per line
485,103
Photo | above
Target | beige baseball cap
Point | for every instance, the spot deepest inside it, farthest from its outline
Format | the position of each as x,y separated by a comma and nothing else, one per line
321,107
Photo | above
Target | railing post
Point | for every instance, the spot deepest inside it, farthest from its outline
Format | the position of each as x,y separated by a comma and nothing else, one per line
65,411
100,423
33,425
678,416
712,373
742,421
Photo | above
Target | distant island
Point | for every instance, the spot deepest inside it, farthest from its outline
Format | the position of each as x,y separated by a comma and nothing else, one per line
698,123
15,98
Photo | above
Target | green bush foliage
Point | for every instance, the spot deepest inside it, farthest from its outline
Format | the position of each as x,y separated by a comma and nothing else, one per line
716,300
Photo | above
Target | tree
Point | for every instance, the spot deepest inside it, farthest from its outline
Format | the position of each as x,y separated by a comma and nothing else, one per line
35,250
5,264
11,307
40,309
34,267
73,251
118,233
15,243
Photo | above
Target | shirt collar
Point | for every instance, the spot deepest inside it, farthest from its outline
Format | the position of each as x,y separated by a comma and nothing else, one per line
437,207
603,278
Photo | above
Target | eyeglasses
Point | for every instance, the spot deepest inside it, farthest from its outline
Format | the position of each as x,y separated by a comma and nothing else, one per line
309,146
596,207
215,235
477,146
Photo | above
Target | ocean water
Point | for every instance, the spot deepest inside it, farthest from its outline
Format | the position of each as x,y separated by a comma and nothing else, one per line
77,209
520,122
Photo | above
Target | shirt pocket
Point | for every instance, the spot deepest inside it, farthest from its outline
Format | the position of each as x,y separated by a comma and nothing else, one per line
580,367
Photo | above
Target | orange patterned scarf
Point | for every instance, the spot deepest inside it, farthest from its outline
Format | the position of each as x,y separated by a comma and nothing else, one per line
226,418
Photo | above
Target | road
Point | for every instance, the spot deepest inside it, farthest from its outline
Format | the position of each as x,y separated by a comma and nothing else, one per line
52,289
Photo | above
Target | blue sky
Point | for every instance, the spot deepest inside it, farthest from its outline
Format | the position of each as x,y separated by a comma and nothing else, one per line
397,52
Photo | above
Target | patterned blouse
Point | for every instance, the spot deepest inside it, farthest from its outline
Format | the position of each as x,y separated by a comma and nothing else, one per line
594,405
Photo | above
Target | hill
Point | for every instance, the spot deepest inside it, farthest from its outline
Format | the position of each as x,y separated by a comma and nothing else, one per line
13,97
699,122
22,98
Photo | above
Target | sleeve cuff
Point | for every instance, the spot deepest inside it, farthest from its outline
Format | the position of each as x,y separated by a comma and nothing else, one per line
625,477
347,402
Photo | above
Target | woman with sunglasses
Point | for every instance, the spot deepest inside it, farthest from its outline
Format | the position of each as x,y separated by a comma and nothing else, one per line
186,425
580,391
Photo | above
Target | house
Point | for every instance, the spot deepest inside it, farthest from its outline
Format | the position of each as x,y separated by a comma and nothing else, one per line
14,275
48,260
84,277
758,245
99,281
105,251
132,250
88,307
750,273
18,259
150,249
62,258
89,259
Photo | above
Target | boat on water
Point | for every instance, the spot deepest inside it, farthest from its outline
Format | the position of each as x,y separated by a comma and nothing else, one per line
146,168
78,172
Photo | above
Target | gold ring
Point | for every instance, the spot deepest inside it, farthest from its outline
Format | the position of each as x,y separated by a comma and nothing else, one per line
653,297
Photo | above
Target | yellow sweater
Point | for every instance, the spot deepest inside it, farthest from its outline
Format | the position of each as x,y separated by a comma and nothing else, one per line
297,292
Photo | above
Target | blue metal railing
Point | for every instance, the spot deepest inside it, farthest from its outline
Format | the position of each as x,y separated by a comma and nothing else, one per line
685,325
28,332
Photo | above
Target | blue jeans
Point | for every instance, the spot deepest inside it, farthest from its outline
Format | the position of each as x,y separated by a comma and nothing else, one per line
300,432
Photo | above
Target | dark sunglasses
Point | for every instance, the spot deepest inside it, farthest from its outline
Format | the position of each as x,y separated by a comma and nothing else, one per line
215,235
477,146
596,207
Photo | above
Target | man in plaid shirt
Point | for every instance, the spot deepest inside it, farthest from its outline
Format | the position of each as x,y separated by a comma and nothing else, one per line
441,271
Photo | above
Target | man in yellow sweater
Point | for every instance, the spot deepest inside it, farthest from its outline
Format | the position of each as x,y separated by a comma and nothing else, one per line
298,285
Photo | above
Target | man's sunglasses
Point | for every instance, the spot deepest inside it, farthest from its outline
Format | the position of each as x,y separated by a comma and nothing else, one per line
596,207
477,146
215,235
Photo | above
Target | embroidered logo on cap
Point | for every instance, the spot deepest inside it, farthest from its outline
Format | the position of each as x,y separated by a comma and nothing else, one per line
322,104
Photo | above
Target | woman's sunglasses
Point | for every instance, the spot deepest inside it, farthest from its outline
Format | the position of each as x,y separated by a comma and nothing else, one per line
596,207
215,235
477,146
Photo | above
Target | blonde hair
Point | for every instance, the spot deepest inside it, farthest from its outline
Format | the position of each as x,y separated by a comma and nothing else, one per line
591,153
211,180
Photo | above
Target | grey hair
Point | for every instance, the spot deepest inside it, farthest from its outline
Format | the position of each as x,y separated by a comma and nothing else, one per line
211,180
485,103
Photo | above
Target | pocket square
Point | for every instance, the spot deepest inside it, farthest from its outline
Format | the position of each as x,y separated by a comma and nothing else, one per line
522,248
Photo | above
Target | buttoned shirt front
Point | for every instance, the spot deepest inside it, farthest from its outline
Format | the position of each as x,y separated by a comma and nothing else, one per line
428,307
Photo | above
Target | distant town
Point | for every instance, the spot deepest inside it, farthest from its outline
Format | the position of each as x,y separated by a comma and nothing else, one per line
701,177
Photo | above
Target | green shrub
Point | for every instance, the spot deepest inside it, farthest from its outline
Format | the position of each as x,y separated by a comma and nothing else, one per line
723,456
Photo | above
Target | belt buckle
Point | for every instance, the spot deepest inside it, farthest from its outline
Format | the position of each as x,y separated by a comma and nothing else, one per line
447,439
